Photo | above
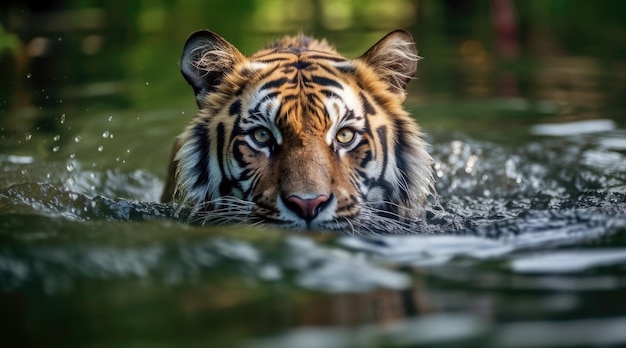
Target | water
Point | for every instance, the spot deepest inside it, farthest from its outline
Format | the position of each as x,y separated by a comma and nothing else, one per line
527,249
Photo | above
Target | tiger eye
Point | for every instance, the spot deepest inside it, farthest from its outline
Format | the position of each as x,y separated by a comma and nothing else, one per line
345,135
262,135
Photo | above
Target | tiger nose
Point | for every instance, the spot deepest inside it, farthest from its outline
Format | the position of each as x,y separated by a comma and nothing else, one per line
307,209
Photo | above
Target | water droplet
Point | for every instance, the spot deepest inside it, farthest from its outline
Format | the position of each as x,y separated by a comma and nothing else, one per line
28,136
24,171
69,166
147,83
77,139
127,150
105,134
56,137
29,75
60,38
110,118
72,155
111,136
117,159
62,118
182,112
48,175
100,148
56,149
71,181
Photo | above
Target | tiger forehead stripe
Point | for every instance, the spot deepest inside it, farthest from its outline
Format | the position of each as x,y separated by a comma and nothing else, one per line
327,57
274,83
325,81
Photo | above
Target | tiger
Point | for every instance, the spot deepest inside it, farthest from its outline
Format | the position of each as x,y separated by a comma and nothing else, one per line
300,137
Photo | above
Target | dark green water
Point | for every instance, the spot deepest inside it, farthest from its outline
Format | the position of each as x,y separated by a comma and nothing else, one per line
528,251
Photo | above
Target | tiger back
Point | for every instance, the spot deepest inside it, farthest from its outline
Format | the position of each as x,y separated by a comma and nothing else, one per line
298,136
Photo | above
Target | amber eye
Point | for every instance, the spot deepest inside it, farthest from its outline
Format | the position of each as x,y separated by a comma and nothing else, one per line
345,135
262,135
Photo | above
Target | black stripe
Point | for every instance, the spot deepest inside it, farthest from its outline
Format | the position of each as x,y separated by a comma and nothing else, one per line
349,115
238,156
236,128
324,57
202,148
300,65
367,106
225,188
366,180
270,95
387,186
368,157
401,151
324,81
272,60
312,98
221,140
347,208
286,98
328,69
330,94
273,84
235,108
241,88
255,114
259,202
382,136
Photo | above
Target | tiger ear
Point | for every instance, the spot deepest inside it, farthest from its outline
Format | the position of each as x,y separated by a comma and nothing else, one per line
394,58
207,58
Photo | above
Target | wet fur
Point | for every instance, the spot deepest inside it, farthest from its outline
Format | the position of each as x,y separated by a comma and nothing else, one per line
301,90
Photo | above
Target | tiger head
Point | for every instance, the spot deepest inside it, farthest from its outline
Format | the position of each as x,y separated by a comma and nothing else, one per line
299,136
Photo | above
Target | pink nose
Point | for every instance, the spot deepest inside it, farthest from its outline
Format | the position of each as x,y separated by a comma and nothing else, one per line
307,209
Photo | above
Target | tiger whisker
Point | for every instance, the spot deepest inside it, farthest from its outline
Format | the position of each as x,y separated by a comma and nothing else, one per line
375,220
352,229
389,216
230,210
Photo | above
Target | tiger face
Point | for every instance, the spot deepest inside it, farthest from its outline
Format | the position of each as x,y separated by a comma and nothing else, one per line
298,136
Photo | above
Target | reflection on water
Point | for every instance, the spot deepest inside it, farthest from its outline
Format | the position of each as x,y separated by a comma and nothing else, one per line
455,329
527,247
564,261
574,128
428,330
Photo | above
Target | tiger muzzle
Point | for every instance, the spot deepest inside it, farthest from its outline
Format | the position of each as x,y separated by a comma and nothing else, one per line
306,182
